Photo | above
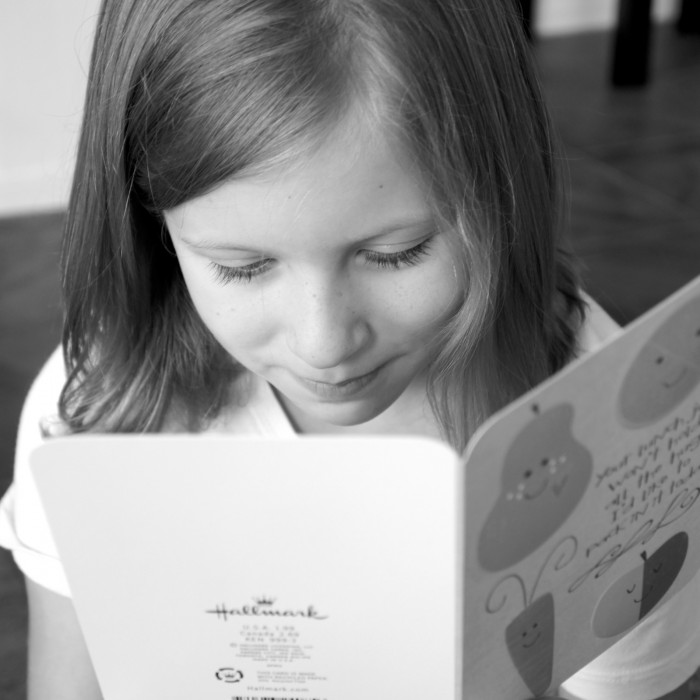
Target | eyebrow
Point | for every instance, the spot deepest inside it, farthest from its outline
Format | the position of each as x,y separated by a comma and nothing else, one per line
417,224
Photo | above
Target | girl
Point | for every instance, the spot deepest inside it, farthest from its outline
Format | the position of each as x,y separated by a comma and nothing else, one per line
309,216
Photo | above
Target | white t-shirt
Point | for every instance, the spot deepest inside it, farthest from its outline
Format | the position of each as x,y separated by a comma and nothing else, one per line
649,662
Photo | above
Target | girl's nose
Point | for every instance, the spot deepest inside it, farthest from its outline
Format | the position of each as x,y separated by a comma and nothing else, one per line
327,326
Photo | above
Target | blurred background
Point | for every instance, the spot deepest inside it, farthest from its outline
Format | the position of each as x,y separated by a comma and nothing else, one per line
623,83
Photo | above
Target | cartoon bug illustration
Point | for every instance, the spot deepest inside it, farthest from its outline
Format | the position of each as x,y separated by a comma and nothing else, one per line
545,474
635,594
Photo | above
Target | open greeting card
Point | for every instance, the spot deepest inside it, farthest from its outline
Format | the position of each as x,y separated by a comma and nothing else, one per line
335,569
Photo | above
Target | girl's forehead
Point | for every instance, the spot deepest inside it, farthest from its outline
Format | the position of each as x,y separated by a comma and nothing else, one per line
355,151
357,184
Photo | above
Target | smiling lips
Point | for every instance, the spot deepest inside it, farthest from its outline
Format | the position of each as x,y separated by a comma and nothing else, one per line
670,383
341,390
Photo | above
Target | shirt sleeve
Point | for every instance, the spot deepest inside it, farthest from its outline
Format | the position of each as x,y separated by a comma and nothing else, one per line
24,528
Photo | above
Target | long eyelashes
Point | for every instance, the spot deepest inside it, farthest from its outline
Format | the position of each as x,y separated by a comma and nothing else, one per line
225,274
395,261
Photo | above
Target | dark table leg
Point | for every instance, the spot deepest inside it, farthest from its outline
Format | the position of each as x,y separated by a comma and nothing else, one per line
524,7
689,18
632,43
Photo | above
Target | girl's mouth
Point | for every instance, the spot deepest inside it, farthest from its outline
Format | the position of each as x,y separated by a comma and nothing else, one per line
341,390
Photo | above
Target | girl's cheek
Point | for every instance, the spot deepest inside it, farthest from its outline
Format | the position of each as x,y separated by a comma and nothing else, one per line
238,323
428,306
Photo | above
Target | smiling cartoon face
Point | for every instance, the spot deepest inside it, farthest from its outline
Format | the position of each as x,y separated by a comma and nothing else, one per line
638,592
666,370
530,642
545,474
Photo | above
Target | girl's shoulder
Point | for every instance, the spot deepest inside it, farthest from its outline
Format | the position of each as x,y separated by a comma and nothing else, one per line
40,410
252,409
597,328
23,525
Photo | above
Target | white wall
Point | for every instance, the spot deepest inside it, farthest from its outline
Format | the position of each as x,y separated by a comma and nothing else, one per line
44,54
562,16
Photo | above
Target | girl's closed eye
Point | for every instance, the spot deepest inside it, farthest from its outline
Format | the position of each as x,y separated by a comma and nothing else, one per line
243,273
226,274
401,258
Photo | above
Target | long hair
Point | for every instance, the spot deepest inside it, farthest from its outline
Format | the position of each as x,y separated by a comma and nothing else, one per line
186,94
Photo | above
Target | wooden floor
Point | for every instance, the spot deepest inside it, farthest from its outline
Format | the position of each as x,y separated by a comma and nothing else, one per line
634,159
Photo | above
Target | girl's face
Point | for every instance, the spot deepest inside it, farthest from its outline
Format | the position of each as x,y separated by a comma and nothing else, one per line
328,279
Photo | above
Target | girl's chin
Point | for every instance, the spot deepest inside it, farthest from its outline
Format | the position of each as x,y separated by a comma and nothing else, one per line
329,417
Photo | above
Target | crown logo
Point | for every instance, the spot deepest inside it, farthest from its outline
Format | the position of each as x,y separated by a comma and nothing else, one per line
264,600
